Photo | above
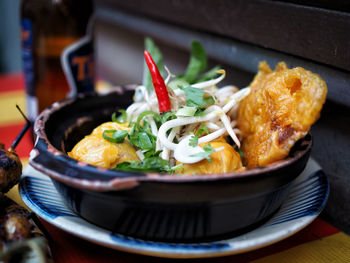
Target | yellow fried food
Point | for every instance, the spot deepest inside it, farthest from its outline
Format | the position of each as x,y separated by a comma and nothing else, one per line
280,109
110,126
224,161
95,150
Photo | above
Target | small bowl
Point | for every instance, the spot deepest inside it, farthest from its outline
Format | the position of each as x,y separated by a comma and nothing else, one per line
148,205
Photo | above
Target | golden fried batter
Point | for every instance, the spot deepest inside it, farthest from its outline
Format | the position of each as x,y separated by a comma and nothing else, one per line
95,150
224,161
280,109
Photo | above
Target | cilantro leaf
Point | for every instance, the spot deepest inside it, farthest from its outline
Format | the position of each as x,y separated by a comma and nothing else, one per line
193,141
150,164
208,150
201,130
195,97
142,140
152,153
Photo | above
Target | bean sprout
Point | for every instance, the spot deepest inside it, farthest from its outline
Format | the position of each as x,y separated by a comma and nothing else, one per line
218,118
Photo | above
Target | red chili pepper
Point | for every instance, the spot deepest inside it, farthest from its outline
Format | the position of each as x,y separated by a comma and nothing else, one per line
158,84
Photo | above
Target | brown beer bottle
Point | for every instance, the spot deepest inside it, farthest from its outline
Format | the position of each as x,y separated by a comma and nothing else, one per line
48,28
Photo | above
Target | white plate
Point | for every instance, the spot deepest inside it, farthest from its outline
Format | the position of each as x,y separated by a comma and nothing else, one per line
304,203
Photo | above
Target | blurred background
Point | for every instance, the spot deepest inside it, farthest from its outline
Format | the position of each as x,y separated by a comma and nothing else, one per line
10,49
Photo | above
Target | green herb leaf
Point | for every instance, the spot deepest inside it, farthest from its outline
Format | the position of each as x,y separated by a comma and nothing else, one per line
174,168
177,83
114,135
201,130
152,153
241,153
208,150
197,63
122,118
145,113
209,100
186,111
193,141
143,140
200,112
195,97
209,74
151,164
132,125
157,56
168,115
114,117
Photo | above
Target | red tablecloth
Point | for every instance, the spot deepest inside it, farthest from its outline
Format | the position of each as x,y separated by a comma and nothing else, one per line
318,242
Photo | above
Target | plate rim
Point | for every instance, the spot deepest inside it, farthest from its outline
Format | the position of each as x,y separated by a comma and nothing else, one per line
301,224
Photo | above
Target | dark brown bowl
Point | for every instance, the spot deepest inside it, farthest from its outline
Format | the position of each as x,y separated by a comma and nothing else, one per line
154,206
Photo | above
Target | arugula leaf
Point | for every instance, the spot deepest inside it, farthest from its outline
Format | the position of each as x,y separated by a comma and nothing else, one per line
193,141
157,56
116,137
197,63
151,164
122,118
208,150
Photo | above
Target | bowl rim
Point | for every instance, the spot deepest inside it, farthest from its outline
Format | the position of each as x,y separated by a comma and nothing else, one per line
125,180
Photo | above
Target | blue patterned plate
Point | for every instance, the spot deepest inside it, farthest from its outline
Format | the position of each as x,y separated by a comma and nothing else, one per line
305,202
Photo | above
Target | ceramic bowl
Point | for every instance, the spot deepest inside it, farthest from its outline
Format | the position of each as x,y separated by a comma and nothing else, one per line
154,206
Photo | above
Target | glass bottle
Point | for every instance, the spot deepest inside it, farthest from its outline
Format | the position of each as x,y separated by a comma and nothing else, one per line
48,28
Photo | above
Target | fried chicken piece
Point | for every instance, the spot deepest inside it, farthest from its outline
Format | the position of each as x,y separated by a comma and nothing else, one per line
95,150
280,109
224,161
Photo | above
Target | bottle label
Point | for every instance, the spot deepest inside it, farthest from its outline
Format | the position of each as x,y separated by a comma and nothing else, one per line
78,65
27,59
